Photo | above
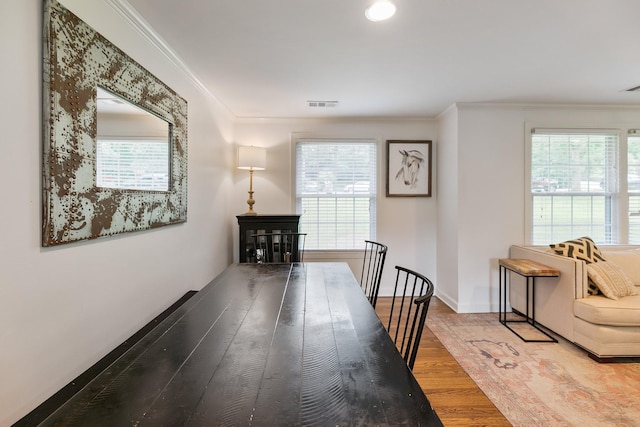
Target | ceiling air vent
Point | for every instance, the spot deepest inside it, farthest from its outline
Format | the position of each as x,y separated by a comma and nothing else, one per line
322,104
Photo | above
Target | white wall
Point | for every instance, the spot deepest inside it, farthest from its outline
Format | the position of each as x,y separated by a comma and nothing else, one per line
63,308
489,157
406,225
447,209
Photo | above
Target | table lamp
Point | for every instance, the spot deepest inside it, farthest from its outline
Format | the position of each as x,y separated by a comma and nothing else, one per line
251,158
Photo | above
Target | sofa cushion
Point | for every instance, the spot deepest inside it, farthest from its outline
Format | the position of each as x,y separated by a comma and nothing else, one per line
583,249
605,311
605,340
628,261
611,280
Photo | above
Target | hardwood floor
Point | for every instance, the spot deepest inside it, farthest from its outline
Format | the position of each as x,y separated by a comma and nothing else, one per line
455,397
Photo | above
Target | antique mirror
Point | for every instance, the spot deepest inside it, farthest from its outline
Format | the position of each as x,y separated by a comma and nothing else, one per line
114,138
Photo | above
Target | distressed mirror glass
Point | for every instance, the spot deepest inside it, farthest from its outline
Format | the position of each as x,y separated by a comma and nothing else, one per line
81,196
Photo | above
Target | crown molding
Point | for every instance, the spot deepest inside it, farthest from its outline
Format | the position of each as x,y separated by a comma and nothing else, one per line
542,106
139,24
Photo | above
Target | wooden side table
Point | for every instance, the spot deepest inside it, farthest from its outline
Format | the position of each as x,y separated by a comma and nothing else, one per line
529,270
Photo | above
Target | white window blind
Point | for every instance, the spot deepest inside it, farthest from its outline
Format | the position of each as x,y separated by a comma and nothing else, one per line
633,185
132,164
336,192
574,186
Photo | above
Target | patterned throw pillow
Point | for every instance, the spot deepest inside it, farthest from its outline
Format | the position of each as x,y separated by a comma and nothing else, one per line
611,280
583,249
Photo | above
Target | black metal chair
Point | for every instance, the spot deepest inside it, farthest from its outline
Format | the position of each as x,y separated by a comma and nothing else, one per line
374,256
279,247
411,298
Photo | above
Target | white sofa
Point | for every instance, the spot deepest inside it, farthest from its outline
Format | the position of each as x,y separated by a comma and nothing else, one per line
606,328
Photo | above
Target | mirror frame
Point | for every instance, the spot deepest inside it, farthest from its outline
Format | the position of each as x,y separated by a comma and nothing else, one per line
76,59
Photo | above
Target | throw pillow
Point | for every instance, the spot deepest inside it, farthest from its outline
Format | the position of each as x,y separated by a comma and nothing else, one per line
583,249
611,280
629,261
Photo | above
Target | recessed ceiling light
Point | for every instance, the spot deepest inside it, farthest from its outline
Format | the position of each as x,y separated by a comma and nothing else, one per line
380,10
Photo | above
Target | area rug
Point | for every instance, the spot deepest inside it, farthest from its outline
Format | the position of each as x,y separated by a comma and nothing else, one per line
542,384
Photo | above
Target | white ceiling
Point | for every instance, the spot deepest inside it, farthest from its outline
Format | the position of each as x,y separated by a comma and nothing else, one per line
267,58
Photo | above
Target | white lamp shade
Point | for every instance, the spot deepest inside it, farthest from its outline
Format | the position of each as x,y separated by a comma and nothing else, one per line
252,158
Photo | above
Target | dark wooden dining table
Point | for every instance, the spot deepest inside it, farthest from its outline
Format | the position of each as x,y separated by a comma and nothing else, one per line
260,345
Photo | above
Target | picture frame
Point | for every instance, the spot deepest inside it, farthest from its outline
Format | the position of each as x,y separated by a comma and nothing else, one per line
408,168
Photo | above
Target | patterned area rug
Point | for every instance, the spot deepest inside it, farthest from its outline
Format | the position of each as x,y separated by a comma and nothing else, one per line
541,384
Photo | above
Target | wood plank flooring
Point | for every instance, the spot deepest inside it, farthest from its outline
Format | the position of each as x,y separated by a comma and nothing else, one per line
455,397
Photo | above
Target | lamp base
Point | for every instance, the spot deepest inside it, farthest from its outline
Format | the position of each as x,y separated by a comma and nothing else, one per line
251,202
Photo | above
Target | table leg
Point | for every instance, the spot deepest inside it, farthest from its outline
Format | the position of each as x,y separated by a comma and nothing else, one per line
500,268
533,298
530,319
502,296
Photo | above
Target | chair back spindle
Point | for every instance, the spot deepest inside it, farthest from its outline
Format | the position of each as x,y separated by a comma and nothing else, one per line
279,247
373,263
411,297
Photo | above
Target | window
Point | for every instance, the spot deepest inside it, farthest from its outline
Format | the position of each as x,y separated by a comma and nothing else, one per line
633,185
575,187
132,164
336,192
